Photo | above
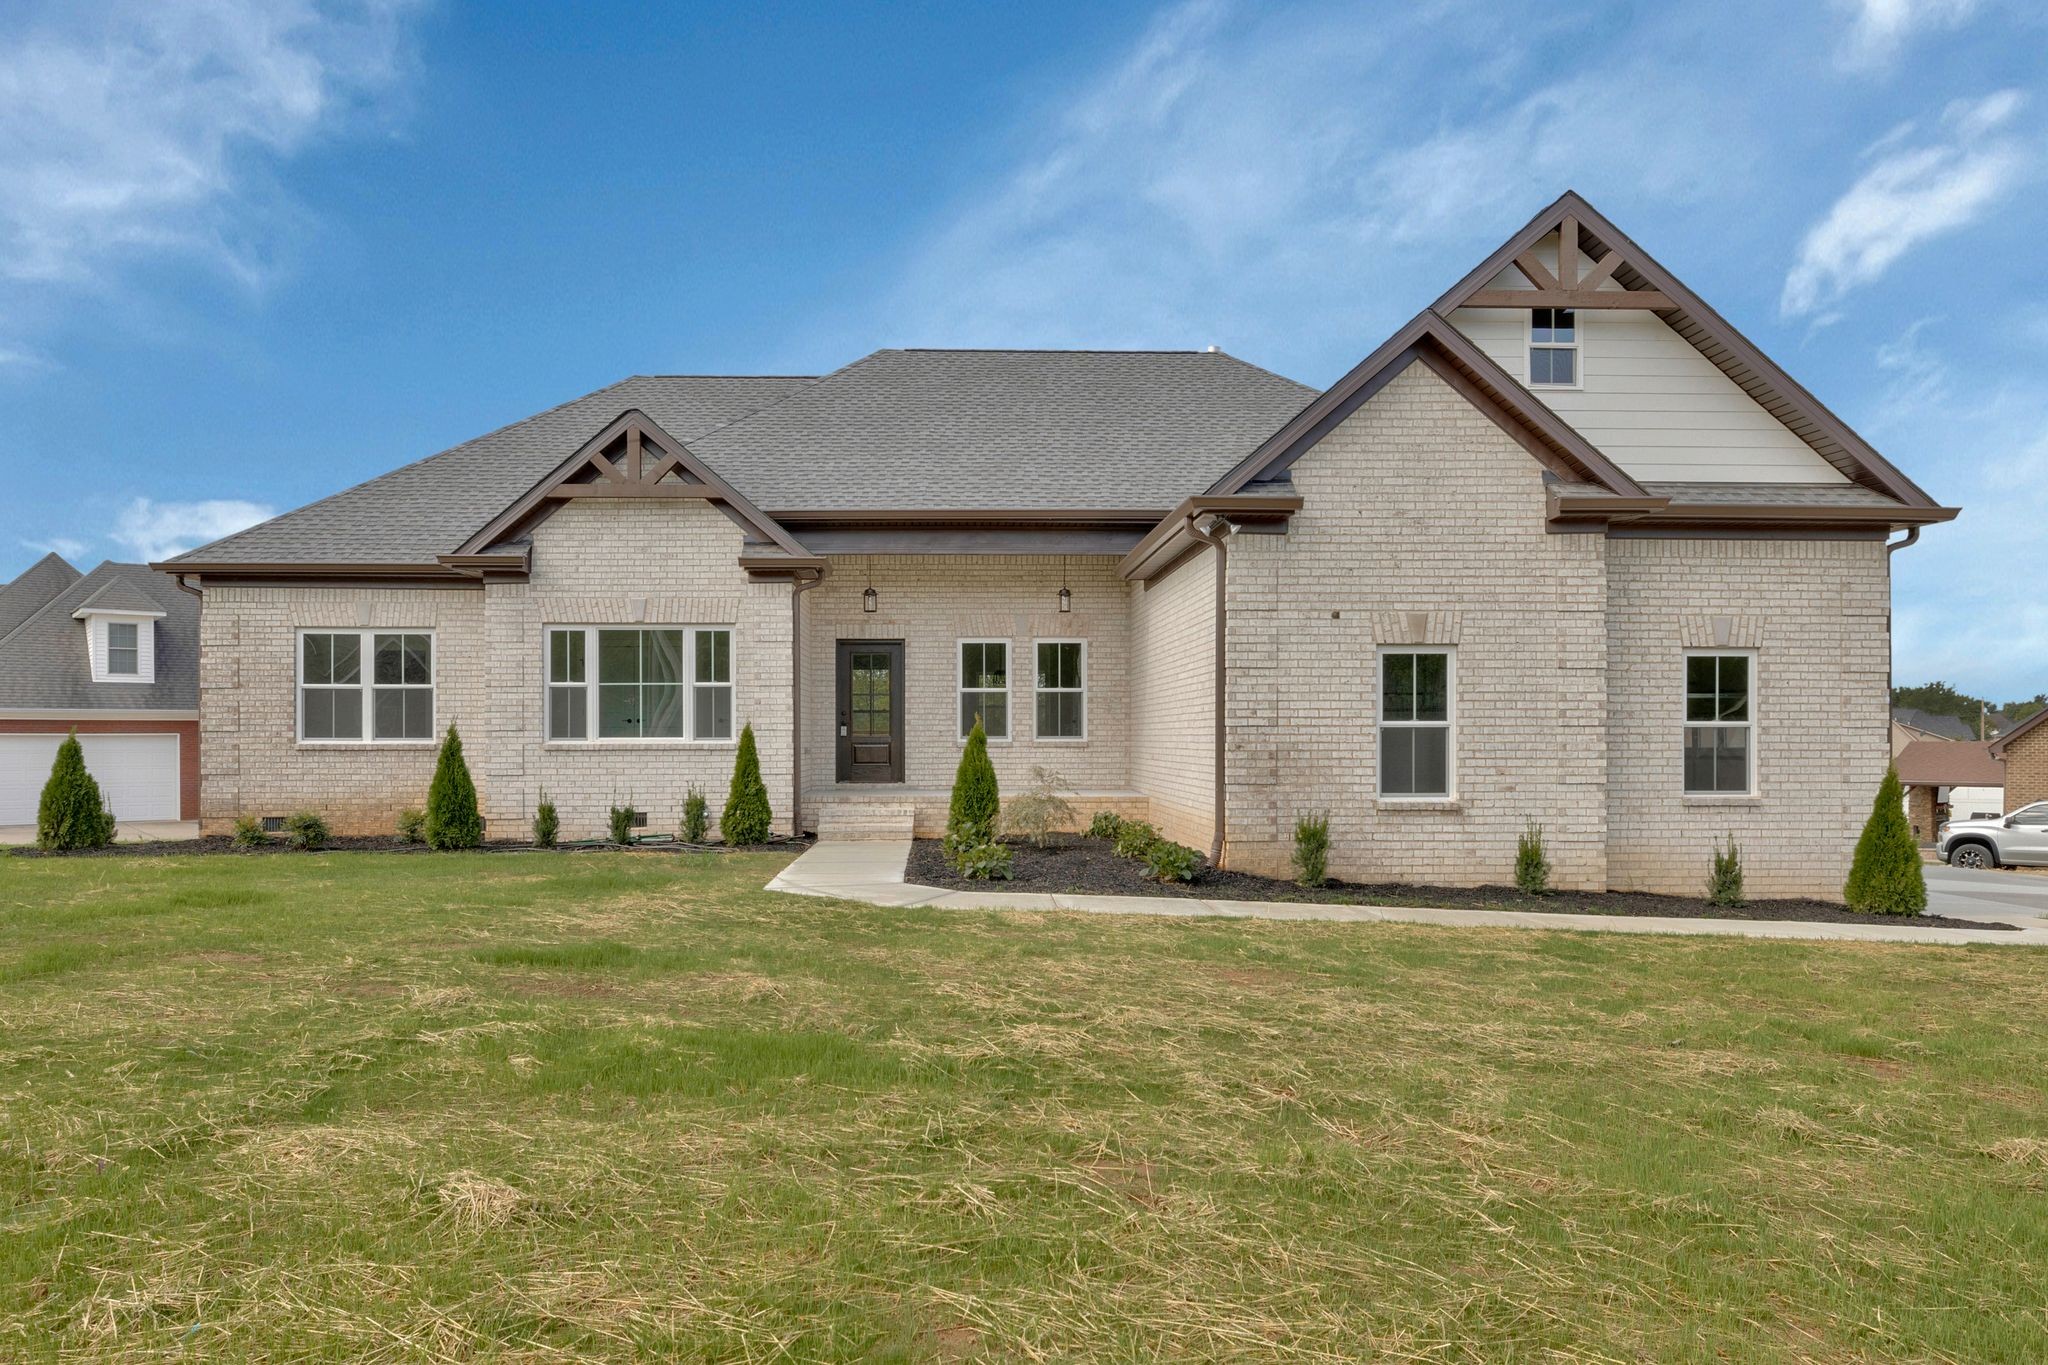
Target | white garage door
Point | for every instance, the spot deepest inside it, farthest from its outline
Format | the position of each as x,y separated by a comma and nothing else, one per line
138,774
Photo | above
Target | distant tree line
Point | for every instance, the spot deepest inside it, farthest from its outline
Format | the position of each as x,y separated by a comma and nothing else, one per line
1939,699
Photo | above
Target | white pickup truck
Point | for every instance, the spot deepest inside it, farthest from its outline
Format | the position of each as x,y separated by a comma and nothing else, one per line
2016,840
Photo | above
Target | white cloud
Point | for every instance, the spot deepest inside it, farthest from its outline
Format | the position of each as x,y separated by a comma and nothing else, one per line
1918,375
152,530
58,545
1879,29
146,126
1911,194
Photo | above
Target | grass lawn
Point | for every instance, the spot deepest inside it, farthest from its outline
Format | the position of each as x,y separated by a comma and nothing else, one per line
375,1107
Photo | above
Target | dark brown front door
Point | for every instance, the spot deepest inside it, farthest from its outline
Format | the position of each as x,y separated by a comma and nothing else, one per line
870,710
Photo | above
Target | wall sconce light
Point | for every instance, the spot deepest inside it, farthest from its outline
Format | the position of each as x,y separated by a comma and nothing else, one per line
869,600
1066,593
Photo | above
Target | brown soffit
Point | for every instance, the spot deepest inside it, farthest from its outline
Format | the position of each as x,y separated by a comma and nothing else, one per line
1431,340
638,432
2027,726
1657,511
1710,333
1169,541
305,569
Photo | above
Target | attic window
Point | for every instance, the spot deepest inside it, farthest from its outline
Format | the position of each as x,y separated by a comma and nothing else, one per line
1553,348
124,648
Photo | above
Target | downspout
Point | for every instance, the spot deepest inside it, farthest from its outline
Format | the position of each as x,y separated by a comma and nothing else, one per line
796,701
1215,541
1894,546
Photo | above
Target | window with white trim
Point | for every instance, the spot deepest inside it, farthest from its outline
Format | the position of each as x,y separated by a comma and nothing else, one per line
985,687
1553,348
345,699
639,682
124,648
1062,689
1720,724
1416,752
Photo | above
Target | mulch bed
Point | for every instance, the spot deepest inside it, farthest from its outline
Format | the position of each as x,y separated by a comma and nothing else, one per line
1076,865
379,843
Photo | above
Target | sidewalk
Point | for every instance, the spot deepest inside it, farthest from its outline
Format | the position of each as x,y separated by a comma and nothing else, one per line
872,871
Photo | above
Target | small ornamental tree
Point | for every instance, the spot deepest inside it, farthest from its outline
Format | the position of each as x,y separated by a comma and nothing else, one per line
72,814
1886,878
977,801
453,820
747,816
1532,865
547,822
1724,882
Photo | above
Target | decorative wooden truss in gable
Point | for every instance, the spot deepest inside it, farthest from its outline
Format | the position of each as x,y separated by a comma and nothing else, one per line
634,458
1576,284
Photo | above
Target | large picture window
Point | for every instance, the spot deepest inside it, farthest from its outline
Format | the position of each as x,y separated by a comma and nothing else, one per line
985,687
360,685
1062,692
1415,723
1720,724
633,682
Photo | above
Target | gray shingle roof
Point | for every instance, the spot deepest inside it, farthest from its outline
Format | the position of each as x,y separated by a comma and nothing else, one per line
43,663
118,593
1774,494
1948,727
930,430
428,508
37,584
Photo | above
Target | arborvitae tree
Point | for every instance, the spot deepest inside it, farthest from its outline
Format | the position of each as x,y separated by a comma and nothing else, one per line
1724,882
1886,878
977,801
72,814
453,820
747,817
547,822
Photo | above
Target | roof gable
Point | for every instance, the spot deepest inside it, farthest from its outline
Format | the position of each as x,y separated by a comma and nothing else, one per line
44,663
34,587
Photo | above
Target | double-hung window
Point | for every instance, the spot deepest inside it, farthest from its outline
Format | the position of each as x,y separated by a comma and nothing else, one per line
635,682
985,687
358,685
1415,722
1553,347
1720,724
1062,696
124,648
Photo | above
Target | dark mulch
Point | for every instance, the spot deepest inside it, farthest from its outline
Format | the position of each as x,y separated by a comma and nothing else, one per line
379,843
1076,865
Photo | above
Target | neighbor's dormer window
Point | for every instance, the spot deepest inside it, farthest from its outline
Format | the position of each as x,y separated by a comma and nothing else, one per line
1553,348
124,649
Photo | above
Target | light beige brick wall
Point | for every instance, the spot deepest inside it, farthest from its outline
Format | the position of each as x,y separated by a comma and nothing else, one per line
594,563
1818,614
931,602
1423,524
2026,768
1173,689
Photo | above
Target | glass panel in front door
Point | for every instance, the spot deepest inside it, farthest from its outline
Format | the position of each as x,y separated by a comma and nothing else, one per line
871,686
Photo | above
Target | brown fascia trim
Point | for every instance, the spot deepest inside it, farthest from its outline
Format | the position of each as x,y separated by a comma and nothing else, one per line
1998,746
1221,680
1567,510
783,566
1482,382
1169,536
482,566
1864,459
307,569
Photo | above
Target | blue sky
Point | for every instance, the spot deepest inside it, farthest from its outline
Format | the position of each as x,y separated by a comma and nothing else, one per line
252,251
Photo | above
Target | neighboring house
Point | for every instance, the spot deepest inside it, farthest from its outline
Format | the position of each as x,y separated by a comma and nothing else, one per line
1910,724
2023,748
1949,779
1566,548
114,655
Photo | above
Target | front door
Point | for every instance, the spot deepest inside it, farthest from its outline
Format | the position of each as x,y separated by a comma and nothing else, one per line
870,710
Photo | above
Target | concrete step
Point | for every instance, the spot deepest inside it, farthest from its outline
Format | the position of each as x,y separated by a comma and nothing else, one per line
843,820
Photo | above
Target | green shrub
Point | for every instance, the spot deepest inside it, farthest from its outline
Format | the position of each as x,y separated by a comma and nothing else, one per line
304,829
1532,869
1105,825
547,822
72,813
1166,861
696,816
412,825
977,801
1040,811
249,832
1886,877
1724,883
621,823
1312,849
1133,837
747,817
984,862
453,821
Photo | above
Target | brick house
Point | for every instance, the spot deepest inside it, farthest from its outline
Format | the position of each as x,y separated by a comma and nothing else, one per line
114,655
1565,548
2024,750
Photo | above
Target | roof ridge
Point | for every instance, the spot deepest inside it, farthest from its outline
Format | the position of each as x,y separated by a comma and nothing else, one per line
697,375
1047,350
75,585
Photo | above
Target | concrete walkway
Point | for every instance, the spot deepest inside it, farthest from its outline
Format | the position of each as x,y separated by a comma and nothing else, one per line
872,871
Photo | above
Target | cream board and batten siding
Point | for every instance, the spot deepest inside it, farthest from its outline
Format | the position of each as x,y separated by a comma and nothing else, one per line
1173,690
1647,399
